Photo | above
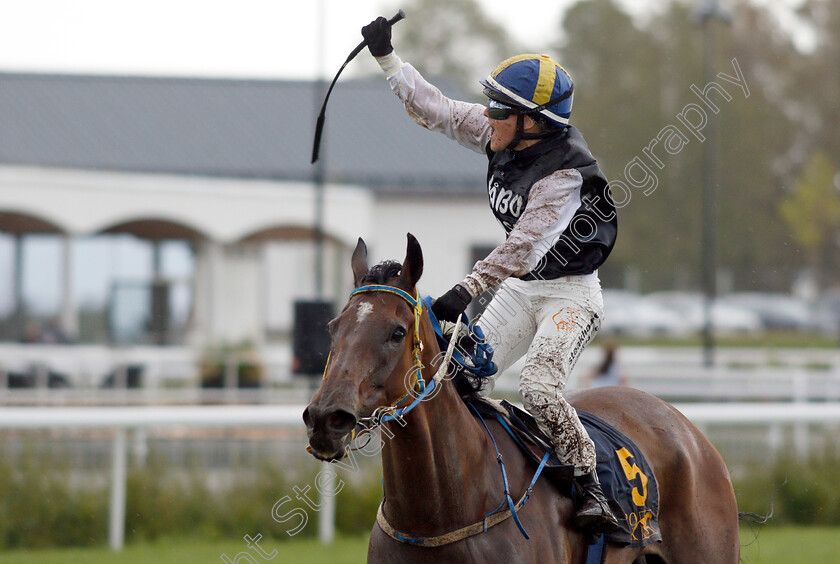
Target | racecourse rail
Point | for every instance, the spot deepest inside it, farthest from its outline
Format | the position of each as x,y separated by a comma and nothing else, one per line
123,419
172,375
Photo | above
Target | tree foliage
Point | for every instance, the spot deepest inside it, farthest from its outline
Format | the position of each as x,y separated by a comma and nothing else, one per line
818,80
812,209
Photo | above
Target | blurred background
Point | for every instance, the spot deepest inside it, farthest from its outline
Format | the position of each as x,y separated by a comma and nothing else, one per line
165,243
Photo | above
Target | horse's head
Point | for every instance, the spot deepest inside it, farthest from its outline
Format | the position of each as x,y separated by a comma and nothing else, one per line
372,350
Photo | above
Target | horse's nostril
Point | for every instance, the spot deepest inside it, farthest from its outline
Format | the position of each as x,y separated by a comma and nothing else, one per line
342,421
333,421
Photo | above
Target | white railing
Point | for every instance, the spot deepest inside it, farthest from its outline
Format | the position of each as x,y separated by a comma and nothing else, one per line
294,393
122,419
171,375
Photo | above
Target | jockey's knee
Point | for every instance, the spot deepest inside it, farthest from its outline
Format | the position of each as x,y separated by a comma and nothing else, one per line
540,383
537,399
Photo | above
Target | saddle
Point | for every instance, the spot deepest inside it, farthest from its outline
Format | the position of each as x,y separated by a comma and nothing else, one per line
524,430
626,477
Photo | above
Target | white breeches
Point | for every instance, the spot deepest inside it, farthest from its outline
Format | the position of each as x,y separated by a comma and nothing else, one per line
550,322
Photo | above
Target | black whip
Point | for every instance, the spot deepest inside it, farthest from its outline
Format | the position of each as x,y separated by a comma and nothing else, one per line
319,126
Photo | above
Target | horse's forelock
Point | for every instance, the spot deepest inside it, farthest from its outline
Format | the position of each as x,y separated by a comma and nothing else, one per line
382,273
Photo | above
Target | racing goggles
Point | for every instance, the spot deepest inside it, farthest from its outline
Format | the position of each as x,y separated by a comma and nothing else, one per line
497,110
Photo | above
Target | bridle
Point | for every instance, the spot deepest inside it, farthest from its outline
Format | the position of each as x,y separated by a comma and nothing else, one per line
418,388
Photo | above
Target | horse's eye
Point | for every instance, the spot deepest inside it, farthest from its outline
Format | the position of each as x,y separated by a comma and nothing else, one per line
398,334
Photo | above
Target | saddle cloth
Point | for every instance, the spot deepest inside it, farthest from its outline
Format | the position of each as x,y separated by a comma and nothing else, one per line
626,477
628,481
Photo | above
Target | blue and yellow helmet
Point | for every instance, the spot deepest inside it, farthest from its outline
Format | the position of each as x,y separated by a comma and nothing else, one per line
535,83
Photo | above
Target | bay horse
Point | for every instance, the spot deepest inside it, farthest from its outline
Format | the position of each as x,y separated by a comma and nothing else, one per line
439,472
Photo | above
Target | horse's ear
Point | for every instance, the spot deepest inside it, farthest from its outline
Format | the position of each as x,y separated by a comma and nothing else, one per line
359,262
412,268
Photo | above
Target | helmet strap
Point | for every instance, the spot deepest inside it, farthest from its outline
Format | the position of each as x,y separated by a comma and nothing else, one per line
520,131
520,134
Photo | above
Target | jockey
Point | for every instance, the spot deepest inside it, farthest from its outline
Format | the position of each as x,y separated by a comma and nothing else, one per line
547,192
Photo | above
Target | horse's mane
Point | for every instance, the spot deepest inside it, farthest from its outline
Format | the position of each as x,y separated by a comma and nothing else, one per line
467,385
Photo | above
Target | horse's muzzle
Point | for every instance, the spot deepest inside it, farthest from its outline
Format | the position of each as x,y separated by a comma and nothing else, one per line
329,431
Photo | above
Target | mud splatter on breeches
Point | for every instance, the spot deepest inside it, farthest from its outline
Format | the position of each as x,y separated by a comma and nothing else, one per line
549,362
554,329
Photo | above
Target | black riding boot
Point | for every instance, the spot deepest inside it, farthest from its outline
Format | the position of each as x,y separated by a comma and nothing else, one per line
594,514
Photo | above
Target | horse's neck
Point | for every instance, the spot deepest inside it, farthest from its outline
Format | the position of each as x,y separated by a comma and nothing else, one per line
432,465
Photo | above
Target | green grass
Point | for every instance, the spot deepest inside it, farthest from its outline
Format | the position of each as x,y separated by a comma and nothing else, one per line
790,545
774,545
351,550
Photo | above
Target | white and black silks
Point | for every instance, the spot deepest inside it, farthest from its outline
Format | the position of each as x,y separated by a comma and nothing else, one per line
589,233
550,198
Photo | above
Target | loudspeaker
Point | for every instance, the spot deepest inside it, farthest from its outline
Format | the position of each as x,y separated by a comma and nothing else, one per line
310,338
159,321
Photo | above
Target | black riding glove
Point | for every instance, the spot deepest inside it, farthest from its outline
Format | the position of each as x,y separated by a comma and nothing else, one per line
452,304
378,36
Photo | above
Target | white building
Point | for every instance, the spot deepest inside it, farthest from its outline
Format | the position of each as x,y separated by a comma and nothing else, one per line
224,165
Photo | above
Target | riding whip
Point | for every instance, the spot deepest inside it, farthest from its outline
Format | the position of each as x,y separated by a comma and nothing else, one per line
319,126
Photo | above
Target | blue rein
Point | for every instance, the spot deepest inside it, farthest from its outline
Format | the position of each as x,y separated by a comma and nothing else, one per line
507,499
481,358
